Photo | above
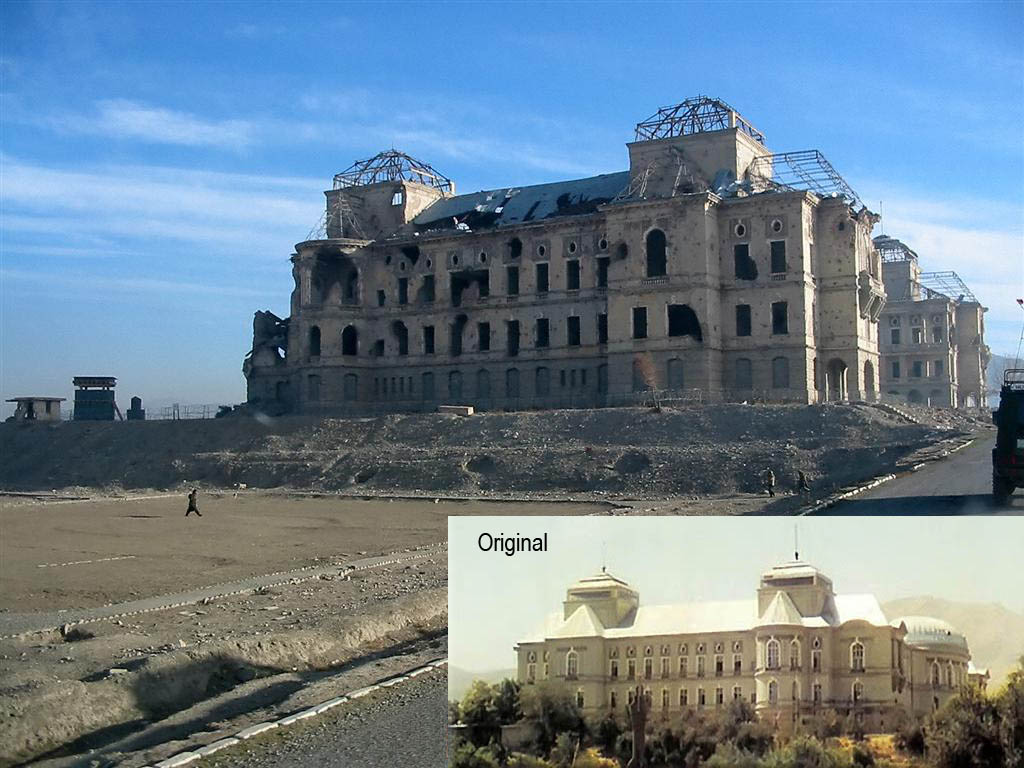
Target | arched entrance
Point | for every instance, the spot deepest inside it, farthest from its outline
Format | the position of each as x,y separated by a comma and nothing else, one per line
835,380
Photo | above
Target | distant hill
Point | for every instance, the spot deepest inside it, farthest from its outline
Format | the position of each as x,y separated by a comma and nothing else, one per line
995,634
459,680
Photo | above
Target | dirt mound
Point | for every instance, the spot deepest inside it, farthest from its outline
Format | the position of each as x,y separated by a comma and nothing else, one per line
703,449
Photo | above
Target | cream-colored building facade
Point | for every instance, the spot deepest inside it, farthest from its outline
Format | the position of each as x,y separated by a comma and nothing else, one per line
932,330
711,265
793,650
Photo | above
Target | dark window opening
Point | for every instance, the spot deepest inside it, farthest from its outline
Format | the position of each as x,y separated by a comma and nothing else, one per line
352,286
403,290
428,291
483,336
350,341
561,378
622,251
894,335
778,256
572,329
742,319
541,337
428,339
656,259
314,341
602,272
746,269
744,374
455,348
512,281
682,321
515,248
378,348
412,253
478,280
602,328
428,385
380,298
512,337
401,336
639,322
542,278
780,373
780,317
572,275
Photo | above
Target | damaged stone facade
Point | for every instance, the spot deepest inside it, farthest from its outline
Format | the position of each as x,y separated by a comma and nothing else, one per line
689,272
933,334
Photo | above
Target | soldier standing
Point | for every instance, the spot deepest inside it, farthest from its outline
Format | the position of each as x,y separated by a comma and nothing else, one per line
768,480
192,506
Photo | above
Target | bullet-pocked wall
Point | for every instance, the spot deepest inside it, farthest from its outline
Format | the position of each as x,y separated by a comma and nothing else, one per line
581,293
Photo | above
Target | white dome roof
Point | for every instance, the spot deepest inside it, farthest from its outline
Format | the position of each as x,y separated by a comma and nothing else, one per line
929,631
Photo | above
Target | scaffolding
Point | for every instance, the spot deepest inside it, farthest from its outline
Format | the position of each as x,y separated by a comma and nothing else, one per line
806,169
893,250
938,284
695,115
393,165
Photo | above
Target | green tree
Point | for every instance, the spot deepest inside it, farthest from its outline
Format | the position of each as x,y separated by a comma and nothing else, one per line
965,733
1010,704
553,710
467,755
728,756
505,700
607,734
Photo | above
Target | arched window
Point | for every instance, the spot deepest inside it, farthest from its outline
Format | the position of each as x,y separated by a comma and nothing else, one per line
512,383
542,382
350,340
857,692
772,654
794,655
314,341
579,698
483,384
773,692
455,385
796,691
935,674
780,373
656,260
857,656
572,664
744,374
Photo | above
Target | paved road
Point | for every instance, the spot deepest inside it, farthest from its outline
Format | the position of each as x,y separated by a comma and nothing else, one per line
960,484
404,726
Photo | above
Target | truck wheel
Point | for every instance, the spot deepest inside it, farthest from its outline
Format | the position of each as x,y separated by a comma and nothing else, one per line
1001,491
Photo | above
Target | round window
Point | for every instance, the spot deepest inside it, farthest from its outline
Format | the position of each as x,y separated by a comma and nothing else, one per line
602,244
572,247
541,250
455,259
429,263
776,226
483,257
740,230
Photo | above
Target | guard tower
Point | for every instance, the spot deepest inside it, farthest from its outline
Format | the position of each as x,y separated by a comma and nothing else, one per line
94,398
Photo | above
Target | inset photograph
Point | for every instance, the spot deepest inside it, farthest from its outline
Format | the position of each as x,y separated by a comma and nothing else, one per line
664,641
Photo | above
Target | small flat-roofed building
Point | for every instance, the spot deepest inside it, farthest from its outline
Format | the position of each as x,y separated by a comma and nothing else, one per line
36,408
94,398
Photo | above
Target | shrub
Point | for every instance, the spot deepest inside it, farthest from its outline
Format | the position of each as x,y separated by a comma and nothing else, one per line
862,756
468,756
965,733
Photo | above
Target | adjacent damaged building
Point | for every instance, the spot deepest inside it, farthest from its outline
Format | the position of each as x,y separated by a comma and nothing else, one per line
711,265
933,333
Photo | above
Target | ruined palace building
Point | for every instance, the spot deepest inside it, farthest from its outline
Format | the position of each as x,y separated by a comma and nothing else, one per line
713,268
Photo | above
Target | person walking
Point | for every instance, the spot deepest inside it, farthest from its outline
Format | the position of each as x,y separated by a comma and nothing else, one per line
192,506
801,483
768,480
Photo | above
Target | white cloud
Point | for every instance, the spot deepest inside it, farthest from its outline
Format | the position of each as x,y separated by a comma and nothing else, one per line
125,119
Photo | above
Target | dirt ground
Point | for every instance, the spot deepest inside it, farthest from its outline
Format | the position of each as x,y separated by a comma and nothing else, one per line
62,555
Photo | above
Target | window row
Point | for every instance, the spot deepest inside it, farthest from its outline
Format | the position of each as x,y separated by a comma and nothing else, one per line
919,369
917,335
779,315
682,668
745,267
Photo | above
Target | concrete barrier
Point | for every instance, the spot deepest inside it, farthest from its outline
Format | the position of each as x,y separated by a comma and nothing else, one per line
458,410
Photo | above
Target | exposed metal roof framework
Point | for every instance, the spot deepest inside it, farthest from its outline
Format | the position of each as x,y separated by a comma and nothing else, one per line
806,169
695,115
392,165
892,250
946,284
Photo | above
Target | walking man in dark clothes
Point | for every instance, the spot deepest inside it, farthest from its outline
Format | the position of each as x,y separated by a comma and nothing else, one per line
192,507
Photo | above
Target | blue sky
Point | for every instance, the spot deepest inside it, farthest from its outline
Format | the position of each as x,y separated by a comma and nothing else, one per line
159,161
